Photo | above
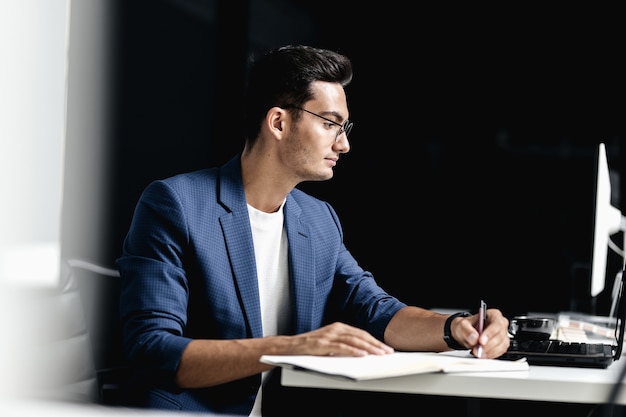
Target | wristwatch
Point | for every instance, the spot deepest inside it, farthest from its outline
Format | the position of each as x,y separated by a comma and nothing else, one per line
447,334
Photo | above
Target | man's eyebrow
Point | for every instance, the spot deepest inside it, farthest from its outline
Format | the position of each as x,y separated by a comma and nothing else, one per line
334,114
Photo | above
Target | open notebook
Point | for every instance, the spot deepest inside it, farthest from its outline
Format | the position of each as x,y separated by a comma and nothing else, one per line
589,354
394,364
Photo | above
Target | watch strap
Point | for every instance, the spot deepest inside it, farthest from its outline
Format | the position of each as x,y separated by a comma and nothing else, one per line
447,333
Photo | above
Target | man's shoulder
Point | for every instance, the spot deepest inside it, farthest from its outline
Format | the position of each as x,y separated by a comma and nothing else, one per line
231,169
200,175
302,197
311,205
183,185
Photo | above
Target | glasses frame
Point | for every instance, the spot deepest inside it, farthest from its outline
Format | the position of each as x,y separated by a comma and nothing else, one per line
346,126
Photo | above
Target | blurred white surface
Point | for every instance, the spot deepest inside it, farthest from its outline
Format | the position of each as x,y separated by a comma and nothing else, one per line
33,81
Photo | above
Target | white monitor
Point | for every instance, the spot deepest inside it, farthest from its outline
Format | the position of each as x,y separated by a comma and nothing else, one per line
607,221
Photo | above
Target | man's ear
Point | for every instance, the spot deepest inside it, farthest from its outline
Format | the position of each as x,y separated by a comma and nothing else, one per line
276,120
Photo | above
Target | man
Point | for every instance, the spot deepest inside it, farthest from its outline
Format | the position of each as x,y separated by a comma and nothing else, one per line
223,265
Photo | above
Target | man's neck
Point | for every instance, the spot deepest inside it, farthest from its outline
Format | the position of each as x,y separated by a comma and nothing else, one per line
265,188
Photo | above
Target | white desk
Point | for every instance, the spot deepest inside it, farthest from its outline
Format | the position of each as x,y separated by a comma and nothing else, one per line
540,383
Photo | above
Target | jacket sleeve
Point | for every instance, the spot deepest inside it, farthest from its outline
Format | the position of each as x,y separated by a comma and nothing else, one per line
155,291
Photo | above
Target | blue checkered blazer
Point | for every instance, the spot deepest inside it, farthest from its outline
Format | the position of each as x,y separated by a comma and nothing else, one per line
188,271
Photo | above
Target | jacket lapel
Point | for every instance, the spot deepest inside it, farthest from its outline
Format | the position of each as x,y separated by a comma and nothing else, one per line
301,267
238,237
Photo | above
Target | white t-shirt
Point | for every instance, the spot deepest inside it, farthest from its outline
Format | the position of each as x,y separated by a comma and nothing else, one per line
270,250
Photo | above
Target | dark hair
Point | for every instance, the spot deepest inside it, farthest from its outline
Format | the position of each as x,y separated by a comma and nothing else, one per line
283,77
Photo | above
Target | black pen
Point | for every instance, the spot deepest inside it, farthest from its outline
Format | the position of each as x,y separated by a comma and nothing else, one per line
482,316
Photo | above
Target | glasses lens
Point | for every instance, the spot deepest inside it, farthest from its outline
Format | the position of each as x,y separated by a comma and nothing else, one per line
345,128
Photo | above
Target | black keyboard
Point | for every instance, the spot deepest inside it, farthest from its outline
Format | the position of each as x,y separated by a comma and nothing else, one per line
558,346
560,353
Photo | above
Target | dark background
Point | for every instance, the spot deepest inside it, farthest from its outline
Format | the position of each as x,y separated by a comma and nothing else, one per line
472,168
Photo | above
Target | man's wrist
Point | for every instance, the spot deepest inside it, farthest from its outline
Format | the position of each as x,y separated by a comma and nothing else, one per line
447,332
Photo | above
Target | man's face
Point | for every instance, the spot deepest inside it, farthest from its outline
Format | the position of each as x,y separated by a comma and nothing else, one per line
313,145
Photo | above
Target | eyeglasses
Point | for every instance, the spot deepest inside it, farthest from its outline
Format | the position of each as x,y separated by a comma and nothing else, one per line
346,127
